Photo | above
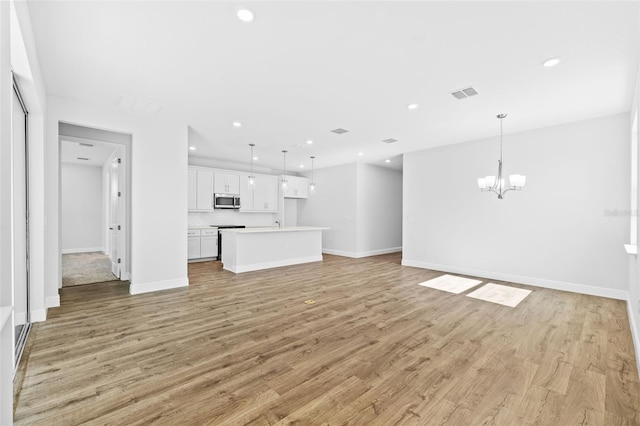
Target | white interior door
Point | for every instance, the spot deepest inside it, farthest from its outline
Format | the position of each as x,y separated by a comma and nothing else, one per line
114,216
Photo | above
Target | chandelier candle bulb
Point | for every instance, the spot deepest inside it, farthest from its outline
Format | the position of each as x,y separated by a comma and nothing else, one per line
517,181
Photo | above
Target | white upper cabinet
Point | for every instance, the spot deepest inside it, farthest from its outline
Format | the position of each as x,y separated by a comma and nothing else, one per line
263,197
226,183
204,182
204,190
246,194
297,187
192,190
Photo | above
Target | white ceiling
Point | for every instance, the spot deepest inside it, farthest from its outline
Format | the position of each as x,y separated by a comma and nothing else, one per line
301,69
72,152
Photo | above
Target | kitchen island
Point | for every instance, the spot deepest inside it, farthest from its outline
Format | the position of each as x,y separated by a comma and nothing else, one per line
253,249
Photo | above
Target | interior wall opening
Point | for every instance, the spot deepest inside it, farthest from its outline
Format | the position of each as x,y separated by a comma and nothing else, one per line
94,205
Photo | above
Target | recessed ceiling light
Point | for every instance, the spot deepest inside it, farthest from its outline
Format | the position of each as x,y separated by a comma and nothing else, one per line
309,142
387,161
192,148
360,154
551,62
237,124
245,15
302,166
412,106
255,158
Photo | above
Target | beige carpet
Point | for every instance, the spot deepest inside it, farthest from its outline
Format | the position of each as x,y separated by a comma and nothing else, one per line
86,268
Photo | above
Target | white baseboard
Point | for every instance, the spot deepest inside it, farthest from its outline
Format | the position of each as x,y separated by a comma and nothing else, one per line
125,276
359,254
19,318
38,315
83,250
52,301
634,331
274,264
538,282
158,285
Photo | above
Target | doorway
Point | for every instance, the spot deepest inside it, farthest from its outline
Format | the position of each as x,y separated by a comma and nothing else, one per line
94,205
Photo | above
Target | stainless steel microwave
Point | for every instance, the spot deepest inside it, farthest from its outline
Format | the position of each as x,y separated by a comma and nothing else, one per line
226,201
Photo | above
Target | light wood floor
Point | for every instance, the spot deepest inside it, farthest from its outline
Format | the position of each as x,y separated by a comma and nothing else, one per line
375,349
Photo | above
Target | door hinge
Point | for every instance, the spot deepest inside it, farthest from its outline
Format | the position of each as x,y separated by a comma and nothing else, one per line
119,160
119,194
119,260
119,227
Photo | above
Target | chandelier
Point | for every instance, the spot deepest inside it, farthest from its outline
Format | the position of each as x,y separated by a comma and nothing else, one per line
498,185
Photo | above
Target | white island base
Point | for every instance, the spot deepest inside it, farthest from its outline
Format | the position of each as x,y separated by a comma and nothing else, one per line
253,249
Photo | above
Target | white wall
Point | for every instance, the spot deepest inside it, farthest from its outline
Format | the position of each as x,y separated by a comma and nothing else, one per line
361,203
556,233
158,182
379,210
333,204
17,52
633,285
81,208
6,293
291,210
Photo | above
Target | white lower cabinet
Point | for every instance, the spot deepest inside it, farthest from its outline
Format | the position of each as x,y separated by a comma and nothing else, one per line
209,243
193,247
202,243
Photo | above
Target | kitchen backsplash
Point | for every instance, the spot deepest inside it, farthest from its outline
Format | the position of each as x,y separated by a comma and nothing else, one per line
231,217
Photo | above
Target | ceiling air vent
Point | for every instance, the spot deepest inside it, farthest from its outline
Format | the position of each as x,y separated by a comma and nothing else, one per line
90,145
339,131
82,158
390,140
464,93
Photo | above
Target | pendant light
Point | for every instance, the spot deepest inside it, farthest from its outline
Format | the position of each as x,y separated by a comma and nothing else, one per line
312,184
284,169
499,186
252,178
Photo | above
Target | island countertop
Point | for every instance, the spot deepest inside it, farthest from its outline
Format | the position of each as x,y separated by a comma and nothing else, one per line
253,249
273,229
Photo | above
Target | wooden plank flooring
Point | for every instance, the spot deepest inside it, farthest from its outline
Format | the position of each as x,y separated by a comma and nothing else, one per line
375,349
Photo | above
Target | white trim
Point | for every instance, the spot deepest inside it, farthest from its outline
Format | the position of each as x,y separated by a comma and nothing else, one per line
125,276
38,315
358,255
158,285
634,332
538,282
83,250
274,264
52,301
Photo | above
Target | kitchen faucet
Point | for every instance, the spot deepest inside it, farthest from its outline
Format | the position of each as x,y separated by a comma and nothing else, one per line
279,224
